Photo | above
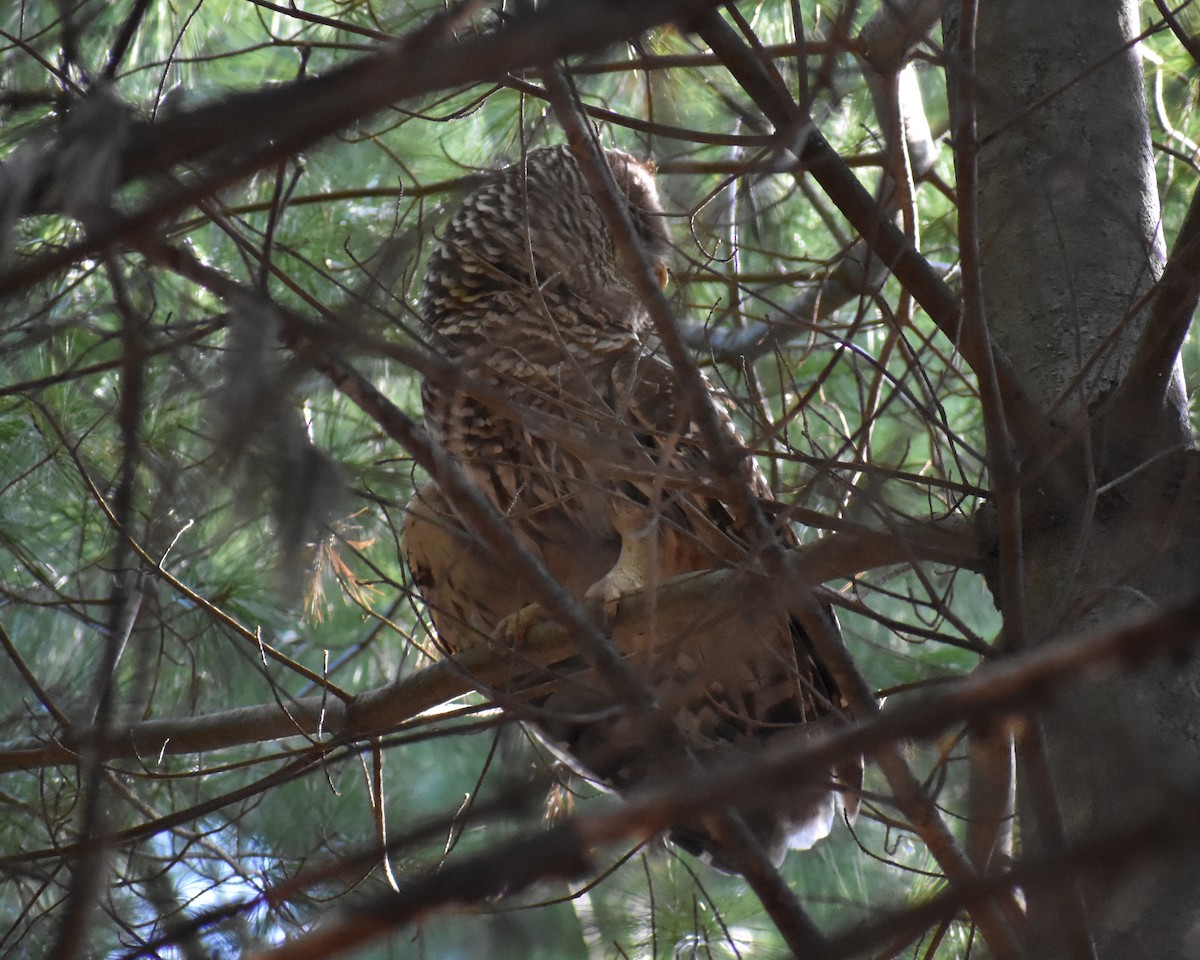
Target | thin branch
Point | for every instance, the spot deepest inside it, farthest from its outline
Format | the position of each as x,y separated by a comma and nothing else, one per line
1018,683
1186,40
997,922
345,718
1003,454
244,133
120,46
887,241
1146,387
125,607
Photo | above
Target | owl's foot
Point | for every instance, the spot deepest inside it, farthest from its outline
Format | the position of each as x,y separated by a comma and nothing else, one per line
628,574
608,591
510,632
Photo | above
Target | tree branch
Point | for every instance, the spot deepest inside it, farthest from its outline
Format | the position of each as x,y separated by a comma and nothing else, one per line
344,718
1017,684
1144,391
243,133
800,136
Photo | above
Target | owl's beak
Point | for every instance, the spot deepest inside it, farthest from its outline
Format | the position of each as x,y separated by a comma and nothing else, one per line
660,271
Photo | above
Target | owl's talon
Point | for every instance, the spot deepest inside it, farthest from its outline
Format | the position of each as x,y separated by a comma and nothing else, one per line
606,593
511,631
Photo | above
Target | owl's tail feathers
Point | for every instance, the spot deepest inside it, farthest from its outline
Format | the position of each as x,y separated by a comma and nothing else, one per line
796,821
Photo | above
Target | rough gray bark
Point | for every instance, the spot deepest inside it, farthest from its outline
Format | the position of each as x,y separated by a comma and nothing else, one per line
1070,244
1067,189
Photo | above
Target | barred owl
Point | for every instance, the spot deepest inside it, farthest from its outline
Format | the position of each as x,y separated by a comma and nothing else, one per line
599,470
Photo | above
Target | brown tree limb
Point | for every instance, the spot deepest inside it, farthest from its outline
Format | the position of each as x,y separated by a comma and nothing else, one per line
343,718
910,794
1145,389
1017,684
886,240
564,853
997,921
243,133
1164,829
884,44
738,843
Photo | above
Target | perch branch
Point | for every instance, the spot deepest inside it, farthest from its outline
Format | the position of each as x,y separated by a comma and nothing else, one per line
1016,684
344,718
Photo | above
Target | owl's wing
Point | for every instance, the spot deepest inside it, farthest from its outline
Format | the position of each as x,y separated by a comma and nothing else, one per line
718,667
675,497
467,592
747,681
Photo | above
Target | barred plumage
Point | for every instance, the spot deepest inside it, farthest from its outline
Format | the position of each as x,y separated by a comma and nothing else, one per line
595,466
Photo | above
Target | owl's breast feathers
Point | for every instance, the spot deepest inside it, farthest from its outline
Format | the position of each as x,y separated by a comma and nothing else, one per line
607,481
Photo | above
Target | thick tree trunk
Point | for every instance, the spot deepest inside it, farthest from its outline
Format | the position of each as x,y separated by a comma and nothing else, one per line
1067,191
1070,242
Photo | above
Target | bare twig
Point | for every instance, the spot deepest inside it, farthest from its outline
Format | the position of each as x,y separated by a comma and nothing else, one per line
1142,397
1186,40
801,137
1017,684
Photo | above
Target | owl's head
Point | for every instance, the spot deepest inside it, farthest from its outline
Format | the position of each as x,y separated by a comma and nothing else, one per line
566,231
537,227
635,181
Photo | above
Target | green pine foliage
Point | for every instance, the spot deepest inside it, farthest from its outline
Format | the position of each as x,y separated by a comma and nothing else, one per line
266,505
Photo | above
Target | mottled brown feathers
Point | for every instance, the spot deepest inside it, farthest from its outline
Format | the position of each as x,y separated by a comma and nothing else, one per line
608,484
